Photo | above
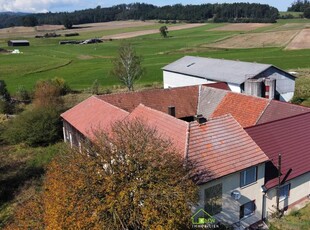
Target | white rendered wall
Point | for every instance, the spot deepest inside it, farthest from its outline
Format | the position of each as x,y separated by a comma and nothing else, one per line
178,80
300,188
234,87
230,207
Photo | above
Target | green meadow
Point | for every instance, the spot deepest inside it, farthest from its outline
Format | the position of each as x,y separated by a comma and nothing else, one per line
81,65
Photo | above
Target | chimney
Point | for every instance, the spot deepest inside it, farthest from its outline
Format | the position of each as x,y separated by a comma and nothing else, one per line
200,119
171,110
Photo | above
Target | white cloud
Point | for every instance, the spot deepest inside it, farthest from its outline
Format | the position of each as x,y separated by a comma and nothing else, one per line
35,6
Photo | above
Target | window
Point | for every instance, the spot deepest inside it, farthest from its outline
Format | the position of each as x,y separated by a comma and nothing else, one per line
284,191
248,176
213,199
247,209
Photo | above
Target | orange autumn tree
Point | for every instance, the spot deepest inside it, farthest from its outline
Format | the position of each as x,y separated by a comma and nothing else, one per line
131,178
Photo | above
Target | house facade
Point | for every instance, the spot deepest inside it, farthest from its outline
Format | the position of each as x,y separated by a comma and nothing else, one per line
242,211
287,175
255,79
235,144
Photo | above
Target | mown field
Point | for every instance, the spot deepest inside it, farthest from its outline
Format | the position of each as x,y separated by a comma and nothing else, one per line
80,65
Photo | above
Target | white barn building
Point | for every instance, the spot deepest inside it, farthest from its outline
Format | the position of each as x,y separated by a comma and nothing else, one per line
262,80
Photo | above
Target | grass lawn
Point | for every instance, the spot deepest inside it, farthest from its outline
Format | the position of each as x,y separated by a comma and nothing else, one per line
21,171
80,65
296,220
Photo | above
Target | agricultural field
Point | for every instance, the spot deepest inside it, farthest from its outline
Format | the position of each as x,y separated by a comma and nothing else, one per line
81,65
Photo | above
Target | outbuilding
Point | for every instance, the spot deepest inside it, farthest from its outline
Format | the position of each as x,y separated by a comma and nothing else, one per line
18,43
262,80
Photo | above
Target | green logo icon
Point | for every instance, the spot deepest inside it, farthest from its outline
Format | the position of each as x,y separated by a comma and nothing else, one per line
201,217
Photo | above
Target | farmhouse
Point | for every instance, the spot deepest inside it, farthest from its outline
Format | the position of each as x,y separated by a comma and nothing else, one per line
18,43
234,138
256,79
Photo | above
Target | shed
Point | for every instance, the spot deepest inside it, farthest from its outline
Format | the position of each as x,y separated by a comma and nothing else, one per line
18,43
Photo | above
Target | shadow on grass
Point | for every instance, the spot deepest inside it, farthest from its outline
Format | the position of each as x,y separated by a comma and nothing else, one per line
15,176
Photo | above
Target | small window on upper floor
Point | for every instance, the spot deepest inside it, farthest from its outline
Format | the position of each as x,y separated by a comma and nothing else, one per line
248,176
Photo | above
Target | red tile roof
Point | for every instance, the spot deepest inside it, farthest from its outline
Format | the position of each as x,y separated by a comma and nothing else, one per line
218,85
288,137
221,146
185,100
93,114
244,108
277,110
167,126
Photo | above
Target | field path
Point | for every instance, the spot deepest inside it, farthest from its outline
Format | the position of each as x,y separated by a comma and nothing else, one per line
301,41
153,31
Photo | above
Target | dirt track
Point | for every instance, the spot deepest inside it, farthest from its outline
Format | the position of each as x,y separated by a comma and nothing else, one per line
301,41
154,31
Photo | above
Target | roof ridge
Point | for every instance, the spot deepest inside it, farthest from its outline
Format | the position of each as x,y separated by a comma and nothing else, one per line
157,111
212,88
289,103
281,119
247,95
229,60
92,96
263,111
214,118
111,104
101,97
187,141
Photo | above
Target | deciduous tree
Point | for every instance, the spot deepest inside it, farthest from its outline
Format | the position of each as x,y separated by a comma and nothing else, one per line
47,94
164,31
127,66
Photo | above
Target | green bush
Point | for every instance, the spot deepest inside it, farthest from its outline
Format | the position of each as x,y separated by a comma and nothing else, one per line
22,94
38,127
63,86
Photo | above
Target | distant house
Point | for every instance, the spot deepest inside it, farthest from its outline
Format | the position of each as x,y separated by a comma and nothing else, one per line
233,138
18,43
256,79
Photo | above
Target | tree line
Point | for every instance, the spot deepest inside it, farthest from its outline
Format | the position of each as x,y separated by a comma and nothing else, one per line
299,6
236,12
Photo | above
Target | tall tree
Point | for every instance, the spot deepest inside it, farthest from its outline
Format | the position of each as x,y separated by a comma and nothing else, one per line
127,66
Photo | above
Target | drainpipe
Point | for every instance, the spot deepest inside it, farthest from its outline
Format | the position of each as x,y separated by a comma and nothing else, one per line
279,182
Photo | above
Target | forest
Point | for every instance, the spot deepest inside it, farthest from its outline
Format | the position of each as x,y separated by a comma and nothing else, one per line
236,12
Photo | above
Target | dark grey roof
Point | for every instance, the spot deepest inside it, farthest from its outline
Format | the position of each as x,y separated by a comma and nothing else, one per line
209,99
217,69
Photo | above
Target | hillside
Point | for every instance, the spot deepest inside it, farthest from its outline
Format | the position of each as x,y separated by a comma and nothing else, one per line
236,12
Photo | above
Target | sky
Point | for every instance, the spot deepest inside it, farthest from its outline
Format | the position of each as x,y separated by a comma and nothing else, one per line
38,6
